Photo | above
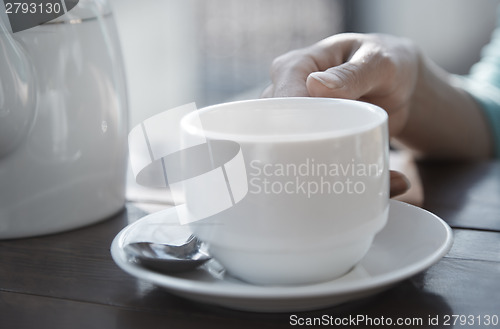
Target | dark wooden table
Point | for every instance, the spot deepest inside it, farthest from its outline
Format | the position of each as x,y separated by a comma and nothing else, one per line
69,280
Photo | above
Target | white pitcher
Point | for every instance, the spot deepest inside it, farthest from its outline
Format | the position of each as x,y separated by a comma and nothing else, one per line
63,122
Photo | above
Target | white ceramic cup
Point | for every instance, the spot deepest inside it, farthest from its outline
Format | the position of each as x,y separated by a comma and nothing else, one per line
318,187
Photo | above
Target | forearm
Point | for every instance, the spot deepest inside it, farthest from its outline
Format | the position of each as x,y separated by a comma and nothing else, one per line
444,121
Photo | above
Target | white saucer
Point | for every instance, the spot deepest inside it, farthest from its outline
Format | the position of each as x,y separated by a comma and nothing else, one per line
413,240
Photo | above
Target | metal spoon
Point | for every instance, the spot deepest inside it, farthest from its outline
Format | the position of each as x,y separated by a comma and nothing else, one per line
168,258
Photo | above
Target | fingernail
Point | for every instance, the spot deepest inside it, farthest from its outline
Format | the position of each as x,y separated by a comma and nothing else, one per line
328,80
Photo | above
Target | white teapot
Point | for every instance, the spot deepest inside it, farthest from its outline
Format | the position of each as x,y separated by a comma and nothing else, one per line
63,122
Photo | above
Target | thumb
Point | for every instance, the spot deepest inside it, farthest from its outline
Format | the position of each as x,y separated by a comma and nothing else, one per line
348,80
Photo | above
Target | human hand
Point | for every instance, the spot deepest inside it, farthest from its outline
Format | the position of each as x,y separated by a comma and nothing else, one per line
374,68
378,69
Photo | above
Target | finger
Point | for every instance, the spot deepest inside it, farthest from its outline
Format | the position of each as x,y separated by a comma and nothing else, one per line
335,50
291,82
399,183
351,80
365,72
290,71
290,87
343,81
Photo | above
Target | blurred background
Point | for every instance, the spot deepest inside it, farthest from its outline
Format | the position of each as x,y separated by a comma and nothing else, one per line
212,51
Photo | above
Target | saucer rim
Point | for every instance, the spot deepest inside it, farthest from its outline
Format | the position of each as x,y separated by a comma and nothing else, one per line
247,291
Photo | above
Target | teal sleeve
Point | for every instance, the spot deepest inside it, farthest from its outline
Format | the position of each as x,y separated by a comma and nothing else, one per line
488,98
483,83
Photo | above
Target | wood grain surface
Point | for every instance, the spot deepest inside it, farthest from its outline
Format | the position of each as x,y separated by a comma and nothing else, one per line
69,280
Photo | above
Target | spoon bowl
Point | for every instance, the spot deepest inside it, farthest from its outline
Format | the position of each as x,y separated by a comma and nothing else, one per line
168,258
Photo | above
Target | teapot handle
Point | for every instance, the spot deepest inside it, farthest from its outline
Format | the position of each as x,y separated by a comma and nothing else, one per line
17,91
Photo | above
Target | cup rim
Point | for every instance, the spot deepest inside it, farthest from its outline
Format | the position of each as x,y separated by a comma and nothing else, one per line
187,121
